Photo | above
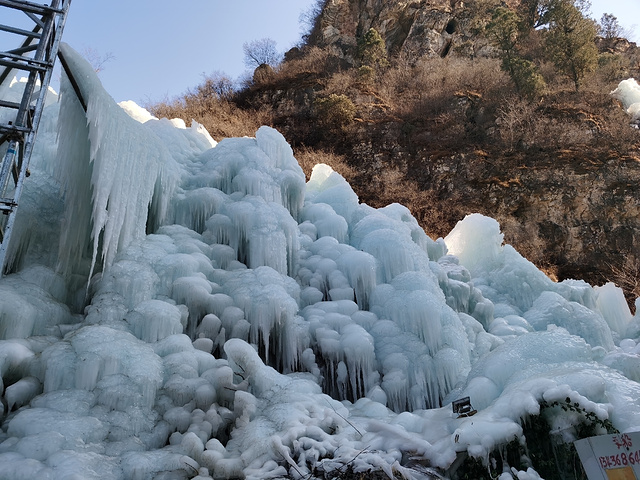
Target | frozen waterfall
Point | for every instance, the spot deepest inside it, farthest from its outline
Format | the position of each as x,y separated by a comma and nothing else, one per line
179,308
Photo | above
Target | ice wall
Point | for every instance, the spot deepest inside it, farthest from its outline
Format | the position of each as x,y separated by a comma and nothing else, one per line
118,176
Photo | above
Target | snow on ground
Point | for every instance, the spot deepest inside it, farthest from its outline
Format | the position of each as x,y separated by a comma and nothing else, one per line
245,323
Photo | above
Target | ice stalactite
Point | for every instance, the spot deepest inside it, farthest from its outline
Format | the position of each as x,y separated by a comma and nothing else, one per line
268,301
195,207
501,274
345,348
412,305
274,423
327,186
326,221
121,369
263,166
74,175
249,195
385,268
36,231
552,309
32,304
109,185
263,234
611,305
360,270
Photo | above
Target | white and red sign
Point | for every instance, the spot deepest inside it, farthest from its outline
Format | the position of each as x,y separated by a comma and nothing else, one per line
611,457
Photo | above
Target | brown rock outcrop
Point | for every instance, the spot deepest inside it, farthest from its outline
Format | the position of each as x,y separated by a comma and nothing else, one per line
412,28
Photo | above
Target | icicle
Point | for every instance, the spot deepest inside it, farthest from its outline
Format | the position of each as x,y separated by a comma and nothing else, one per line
122,176
74,175
269,302
327,186
611,304
360,269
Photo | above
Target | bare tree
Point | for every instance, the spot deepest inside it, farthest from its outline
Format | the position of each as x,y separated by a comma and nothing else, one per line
217,84
609,28
309,17
261,52
95,59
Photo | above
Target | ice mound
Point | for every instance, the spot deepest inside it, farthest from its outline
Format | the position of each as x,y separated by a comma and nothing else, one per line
517,287
628,92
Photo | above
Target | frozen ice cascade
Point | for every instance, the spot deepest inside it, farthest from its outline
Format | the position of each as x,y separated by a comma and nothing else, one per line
628,93
178,308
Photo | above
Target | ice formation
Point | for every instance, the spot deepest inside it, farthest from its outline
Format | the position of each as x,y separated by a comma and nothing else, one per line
628,92
244,323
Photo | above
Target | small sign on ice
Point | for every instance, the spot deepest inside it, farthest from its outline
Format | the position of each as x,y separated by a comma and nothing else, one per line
611,457
463,407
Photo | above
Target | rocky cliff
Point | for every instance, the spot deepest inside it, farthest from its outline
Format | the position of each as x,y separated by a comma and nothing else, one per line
574,215
412,28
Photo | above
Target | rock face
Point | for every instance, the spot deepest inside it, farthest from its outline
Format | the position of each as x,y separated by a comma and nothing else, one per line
574,216
579,215
618,45
416,28
413,28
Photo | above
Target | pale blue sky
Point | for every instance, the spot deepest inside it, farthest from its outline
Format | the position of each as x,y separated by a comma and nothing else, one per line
161,48
627,11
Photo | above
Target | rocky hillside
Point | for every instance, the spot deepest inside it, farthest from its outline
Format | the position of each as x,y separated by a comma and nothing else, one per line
440,127
415,28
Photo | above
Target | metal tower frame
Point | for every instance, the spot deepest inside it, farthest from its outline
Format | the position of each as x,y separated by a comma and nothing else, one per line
36,56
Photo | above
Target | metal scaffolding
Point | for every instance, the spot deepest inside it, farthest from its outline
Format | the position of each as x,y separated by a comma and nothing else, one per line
35,56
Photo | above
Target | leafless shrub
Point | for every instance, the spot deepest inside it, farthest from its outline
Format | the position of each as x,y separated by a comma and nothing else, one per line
261,52
430,87
221,117
310,19
215,85
514,120
96,59
312,60
627,277
339,83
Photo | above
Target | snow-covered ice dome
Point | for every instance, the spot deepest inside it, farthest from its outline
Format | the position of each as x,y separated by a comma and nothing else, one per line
181,308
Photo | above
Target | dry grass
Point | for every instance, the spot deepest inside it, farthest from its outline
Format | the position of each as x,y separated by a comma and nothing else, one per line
310,157
448,101
307,60
221,117
432,85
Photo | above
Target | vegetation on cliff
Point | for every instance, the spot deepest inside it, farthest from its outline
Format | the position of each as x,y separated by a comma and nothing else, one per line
458,109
